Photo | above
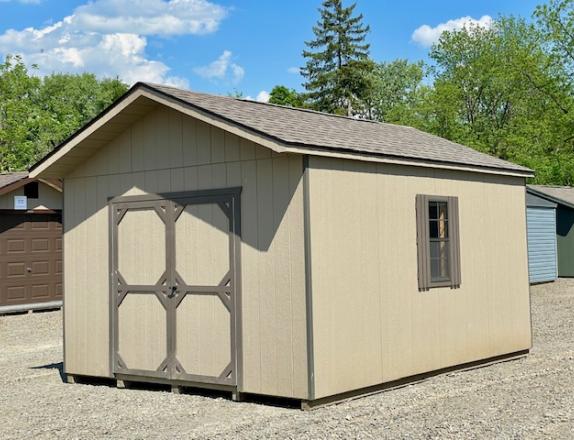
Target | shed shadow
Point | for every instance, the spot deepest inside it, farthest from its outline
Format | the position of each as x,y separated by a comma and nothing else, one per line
54,366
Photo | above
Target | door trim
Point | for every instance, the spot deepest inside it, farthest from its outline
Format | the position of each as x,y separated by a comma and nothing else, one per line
218,196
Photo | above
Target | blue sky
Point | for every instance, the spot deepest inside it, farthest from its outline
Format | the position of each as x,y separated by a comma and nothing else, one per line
216,46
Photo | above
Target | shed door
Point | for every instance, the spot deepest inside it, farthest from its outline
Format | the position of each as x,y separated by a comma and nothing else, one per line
30,258
174,281
542,265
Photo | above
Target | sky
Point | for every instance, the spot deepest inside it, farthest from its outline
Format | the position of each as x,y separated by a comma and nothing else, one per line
217,46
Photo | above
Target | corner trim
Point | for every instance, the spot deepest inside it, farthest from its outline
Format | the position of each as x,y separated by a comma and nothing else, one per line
308,281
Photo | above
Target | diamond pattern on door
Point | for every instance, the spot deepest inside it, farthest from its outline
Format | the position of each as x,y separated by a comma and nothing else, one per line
173,279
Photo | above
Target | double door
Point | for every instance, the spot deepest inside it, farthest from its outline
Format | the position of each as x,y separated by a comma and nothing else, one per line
174,282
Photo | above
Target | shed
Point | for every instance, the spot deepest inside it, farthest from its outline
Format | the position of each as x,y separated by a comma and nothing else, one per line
542,250
222,243
563,197
30,243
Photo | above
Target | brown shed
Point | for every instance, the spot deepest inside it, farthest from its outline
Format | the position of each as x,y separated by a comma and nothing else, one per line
30,243
229,244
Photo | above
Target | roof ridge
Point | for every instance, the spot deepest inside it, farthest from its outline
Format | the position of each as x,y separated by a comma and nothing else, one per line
299,109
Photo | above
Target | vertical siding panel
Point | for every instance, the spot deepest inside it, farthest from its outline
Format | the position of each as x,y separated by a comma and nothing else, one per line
232,147
217,146
203,142
175,138
177,179
297,277
267,299
189,141
246,150
250,288
138,145
283,307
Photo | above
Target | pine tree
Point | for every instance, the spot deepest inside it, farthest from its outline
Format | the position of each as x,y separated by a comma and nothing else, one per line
337,59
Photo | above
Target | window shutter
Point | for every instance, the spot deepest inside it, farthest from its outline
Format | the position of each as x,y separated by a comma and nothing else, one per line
422,242
455,242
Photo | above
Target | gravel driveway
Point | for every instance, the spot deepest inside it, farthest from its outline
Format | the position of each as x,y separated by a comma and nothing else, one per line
528,398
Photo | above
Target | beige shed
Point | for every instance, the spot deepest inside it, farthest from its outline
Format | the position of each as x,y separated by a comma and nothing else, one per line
222,243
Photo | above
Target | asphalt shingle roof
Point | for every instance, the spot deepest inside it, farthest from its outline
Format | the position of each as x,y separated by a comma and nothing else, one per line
564,194
9,178
320,130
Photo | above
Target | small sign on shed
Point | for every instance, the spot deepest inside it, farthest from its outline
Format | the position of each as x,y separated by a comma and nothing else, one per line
21,202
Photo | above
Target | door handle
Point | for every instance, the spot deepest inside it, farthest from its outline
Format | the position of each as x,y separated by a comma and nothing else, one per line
172,292
29,269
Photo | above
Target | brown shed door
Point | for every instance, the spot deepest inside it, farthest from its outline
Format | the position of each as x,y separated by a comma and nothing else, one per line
174,283
30,258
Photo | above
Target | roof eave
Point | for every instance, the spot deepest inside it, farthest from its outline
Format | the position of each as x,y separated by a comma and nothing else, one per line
549,197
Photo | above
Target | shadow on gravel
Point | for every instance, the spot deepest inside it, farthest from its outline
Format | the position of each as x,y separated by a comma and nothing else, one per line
55,366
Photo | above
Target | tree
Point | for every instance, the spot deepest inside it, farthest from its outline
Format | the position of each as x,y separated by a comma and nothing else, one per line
497,90
337,67
396,89
36,114
282,95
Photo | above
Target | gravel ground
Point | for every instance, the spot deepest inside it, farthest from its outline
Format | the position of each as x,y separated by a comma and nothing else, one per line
528,398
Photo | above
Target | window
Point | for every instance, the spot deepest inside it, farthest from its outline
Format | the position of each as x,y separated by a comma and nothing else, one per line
31,190
437,242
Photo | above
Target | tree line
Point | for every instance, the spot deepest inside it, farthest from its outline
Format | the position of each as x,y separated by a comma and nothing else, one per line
507,90
36,114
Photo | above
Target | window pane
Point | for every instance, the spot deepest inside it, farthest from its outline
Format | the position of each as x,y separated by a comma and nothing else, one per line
433,210
439,256
443,210
433,229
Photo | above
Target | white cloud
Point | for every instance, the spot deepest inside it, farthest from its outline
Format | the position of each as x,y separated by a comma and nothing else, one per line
294,70
150,17
223,68
426,35
263,96
108,38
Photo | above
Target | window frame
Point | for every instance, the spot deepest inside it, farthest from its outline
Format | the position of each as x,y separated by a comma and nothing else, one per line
425,281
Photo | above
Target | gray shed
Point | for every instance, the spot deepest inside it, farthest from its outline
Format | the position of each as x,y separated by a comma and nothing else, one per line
542,251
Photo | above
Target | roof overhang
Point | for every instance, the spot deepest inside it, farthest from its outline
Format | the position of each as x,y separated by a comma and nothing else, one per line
549,197
141,99
55,184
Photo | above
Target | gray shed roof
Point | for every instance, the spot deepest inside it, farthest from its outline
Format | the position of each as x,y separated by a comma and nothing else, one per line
9,178
563,195
314,129
535,201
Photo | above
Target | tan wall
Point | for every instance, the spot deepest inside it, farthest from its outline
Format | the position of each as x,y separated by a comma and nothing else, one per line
48,198
167,152
371,324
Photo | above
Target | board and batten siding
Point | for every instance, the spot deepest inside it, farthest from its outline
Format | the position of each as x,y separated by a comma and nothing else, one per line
542,264
166,151
371,324
48,198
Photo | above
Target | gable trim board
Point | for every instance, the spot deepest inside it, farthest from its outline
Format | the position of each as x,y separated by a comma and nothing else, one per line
330,301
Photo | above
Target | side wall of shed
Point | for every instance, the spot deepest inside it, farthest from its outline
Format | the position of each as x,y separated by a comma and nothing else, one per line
371,324
542,253
48,198
565,240
169,152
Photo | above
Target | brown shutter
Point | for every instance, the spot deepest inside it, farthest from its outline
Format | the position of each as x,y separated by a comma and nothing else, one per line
455,242
422,242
